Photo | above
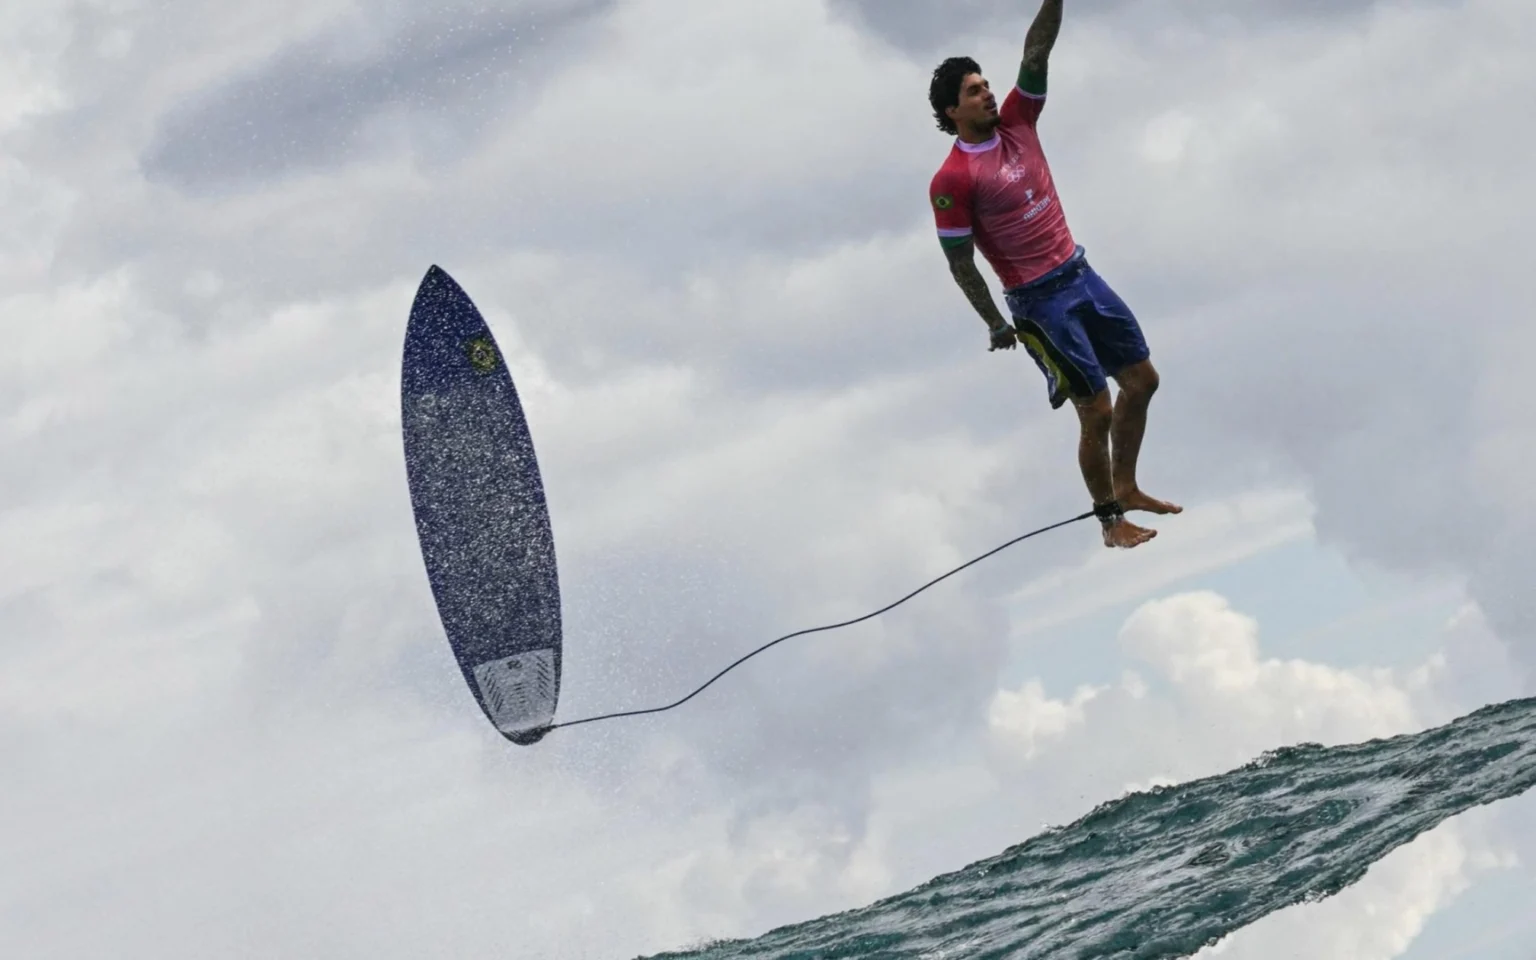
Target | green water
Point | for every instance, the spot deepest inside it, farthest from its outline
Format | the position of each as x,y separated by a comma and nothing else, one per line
1166,872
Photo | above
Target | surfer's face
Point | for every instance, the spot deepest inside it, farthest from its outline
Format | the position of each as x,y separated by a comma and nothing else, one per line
977,108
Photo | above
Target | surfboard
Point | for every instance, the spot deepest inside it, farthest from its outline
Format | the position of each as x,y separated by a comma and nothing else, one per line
481,517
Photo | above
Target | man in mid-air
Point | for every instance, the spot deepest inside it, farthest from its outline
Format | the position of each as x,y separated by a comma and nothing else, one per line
995,192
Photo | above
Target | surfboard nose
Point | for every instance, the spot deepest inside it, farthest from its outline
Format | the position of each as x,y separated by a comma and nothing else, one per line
435,285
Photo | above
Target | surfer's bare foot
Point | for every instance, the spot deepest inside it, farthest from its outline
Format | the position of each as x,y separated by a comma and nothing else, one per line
1136,500
1123,533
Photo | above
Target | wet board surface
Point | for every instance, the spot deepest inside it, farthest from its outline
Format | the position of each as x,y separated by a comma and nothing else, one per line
481,517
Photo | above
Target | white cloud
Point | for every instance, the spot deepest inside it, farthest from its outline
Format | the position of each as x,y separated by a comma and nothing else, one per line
1211,701
1233,703
1199,644
1028,716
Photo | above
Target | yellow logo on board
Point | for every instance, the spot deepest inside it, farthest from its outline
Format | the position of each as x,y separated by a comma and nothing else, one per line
482,354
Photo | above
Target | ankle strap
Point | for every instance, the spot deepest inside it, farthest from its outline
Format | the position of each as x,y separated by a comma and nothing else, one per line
1109,512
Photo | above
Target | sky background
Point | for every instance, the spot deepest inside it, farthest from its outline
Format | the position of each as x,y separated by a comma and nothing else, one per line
229,723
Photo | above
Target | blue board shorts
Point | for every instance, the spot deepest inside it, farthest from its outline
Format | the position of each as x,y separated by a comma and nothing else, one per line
1078,330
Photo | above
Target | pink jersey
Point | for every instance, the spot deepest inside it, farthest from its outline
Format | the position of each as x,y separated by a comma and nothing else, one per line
1001,192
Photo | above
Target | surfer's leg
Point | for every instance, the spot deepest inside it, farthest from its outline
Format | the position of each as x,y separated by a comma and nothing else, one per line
1137,384
1096,415
1052,333
1122,351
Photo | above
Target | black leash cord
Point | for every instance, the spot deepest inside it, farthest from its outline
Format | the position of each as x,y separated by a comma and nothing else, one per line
847,623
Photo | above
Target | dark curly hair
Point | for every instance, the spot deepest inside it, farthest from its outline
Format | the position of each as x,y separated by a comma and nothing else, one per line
944,91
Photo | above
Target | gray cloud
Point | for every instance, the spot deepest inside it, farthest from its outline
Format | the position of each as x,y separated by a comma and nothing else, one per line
924,28
434,78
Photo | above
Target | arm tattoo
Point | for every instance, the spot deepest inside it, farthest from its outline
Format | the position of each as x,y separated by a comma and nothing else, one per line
1038,44
962,266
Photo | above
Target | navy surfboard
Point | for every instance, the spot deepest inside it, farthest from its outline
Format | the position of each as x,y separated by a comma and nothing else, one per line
480,513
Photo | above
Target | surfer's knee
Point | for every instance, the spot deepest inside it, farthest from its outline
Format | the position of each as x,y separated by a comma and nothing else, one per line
1139,381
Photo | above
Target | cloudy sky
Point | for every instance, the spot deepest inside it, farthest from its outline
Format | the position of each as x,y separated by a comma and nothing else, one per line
229,723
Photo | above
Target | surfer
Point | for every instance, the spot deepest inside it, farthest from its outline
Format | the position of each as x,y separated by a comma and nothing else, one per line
995,191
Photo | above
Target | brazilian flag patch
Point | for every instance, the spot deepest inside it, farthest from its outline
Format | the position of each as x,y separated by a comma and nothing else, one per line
943,201
482,354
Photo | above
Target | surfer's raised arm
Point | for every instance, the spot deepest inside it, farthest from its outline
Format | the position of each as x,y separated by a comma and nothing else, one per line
1037,47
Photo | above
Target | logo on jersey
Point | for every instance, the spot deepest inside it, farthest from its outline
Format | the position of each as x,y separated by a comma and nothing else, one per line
943,201
1012,172
1035,208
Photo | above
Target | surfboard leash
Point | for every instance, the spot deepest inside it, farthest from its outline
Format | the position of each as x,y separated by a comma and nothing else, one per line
535,735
